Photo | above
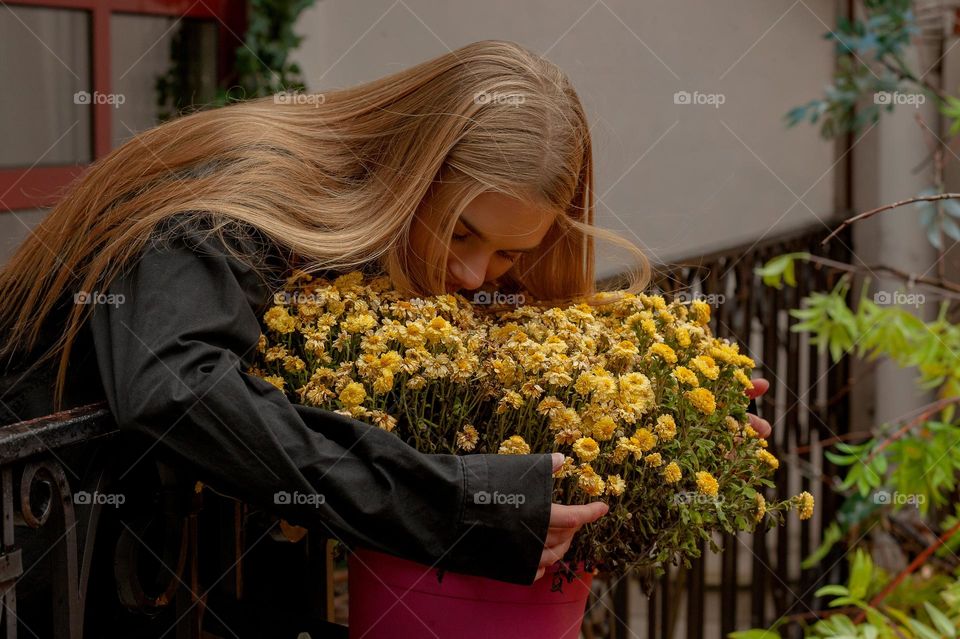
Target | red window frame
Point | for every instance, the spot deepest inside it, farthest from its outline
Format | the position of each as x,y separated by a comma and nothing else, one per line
38,187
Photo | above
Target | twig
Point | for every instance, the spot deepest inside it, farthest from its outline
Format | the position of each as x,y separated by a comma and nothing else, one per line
887,207
914,565
948,289
919,419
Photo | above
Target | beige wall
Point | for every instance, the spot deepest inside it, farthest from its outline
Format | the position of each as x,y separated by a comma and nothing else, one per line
679,179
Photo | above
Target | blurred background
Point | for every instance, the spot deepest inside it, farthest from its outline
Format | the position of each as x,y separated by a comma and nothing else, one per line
727,135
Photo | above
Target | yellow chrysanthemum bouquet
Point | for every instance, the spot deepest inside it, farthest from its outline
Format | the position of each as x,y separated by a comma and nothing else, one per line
647,406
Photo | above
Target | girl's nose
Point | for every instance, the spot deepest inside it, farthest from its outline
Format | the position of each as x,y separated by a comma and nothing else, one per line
470,273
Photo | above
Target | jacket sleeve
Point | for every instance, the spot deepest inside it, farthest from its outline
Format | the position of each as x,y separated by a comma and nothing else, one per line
173,344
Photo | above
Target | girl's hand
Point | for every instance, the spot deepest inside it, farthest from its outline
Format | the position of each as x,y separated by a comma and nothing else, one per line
762,426
565,520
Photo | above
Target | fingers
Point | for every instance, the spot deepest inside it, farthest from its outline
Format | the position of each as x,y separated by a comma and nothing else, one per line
565,521
762,426
566,516
557,461
760,386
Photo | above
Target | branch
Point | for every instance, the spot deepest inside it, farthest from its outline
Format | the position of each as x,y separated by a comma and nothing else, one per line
887,207
928,410
914,565
945,288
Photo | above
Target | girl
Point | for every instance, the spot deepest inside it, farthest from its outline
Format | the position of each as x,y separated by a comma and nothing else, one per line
470,170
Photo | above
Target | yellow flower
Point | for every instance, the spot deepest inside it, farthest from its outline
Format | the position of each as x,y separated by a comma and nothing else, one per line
672,473
567,469
653,460
549,405
732,425
276,380
682,336
707,366
293,364
384,382
589,481
644,439
703,400
279,320
564,418
637,391
706,483
514,445
768,459
685,376
353,394
467,437
666,427
358,322
761,506
615,485
741,377
625,446
749,431
700,311
586,448
664,352
510,399
603,428
804,505
649,327
624,350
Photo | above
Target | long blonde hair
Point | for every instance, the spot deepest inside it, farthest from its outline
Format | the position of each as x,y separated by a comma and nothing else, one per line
336,179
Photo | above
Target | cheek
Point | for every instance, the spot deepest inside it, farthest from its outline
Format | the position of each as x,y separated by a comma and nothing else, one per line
498,268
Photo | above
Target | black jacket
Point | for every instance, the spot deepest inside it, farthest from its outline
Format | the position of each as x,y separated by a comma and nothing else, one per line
169,350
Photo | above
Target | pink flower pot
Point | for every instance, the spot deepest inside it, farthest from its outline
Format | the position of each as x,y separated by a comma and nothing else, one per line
393,598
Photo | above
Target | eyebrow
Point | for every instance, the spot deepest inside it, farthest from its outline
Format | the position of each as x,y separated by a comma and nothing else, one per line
473,229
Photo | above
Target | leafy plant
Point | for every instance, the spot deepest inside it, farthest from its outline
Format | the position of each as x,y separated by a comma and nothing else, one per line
262,67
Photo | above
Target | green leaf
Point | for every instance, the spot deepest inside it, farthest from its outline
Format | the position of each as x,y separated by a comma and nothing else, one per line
832,589
924,630
940,620
860,574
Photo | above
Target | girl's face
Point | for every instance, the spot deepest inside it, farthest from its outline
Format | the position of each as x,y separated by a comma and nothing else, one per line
493,231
